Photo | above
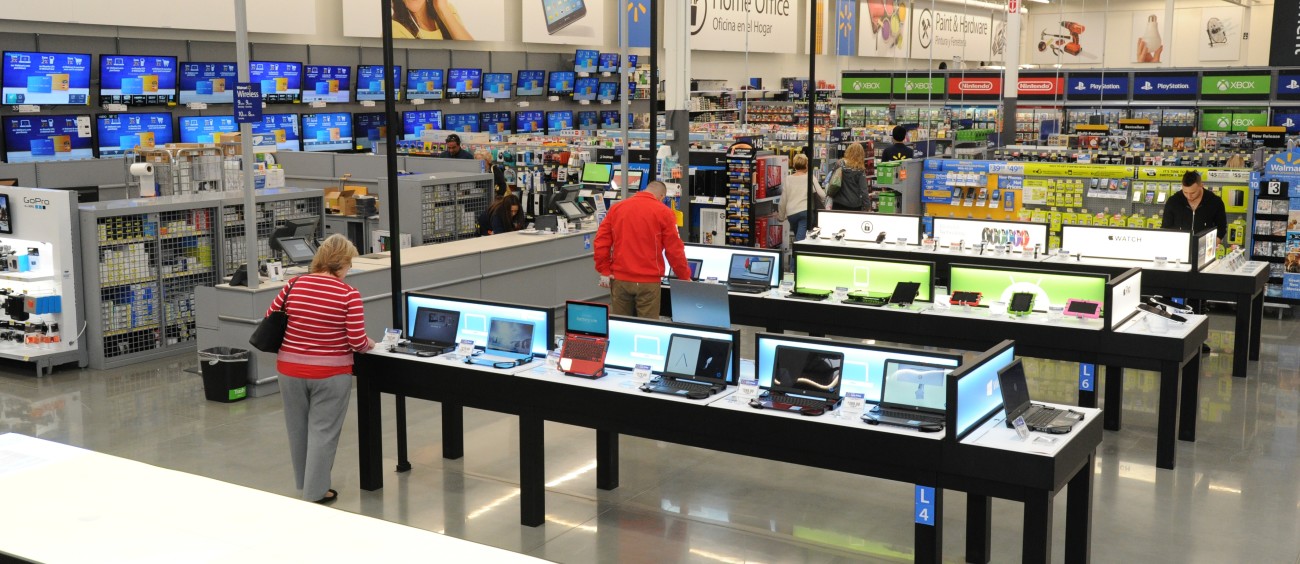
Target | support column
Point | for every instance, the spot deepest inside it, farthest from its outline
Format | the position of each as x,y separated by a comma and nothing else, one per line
1010,77
677,95
246,150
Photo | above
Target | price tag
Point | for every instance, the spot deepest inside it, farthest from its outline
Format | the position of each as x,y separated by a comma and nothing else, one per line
1088,377
1021,428
854,404
641,373
391,336
553,359
466,347
925,505
748,389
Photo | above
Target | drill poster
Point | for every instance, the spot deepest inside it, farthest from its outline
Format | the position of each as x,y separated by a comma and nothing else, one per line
1066,38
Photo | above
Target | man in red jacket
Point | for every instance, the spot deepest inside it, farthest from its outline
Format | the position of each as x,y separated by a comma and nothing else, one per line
630,247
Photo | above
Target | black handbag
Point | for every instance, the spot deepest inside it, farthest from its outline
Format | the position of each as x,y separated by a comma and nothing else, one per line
269,334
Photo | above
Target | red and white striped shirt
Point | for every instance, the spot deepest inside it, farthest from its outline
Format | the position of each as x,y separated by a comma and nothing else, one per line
326,325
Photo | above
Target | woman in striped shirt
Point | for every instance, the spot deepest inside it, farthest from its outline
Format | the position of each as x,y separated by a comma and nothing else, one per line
326,325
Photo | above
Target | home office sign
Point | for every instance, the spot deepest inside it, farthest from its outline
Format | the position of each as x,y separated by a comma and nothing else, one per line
771,26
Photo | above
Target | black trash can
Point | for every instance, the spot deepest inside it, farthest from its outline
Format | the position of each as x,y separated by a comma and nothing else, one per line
225,373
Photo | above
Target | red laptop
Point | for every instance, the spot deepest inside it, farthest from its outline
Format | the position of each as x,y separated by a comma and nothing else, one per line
586,338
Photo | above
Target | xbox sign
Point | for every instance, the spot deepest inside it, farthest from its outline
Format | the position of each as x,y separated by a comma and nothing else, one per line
863,86
1239,85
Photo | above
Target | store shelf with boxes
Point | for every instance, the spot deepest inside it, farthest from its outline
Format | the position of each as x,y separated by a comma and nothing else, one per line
145,257
42,317
1274,236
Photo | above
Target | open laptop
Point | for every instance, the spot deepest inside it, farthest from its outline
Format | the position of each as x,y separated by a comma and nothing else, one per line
586,339
911,395
509,342
700,303
433,332
806,381
694,264
696,367
1015,400
750,274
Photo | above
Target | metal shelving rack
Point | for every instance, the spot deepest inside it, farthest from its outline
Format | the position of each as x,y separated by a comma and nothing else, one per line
150,254
448,206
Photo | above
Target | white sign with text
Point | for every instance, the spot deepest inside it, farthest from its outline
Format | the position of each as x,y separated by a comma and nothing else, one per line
1128,244
859,226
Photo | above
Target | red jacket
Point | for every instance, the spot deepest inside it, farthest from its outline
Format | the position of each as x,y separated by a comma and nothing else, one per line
634,238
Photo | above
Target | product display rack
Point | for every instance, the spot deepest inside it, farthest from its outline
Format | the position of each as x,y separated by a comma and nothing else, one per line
753,186
1275,227
1029,122
151,253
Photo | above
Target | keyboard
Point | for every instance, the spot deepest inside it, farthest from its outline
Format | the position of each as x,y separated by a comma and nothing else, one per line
417,348
670,386
1039,417
806,403
912,416
578,348
809,294
747,289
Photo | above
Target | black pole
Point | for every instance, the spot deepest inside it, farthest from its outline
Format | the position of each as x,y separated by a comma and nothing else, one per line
654,86
812,106
394,221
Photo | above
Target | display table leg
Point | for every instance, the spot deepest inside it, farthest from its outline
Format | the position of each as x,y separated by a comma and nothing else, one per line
1256,323
1167,427
532,471
403,461
453,431
929,538
1242,339
1036,547
1113,411
1078,516
606,460
979,528
370,443
1188,409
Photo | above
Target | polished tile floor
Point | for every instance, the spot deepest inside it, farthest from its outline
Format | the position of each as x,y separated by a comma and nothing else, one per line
1235,496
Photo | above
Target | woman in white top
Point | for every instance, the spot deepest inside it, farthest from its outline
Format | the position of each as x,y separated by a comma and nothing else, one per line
794,196
428,19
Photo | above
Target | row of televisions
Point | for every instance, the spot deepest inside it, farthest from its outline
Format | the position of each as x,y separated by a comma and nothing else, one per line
64,79
40,138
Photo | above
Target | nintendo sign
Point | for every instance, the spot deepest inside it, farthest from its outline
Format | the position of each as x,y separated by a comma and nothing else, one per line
1040,86
975,86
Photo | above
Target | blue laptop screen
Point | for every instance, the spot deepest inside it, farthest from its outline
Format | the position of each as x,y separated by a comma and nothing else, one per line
591,319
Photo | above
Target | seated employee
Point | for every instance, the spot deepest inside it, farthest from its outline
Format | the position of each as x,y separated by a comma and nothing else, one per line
454,150
1194,209
898,151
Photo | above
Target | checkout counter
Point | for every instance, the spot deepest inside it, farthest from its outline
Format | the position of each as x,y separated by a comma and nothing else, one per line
526,268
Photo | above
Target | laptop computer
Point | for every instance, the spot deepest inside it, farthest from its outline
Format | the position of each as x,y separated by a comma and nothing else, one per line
1015,400
750,274
509,342
811,294
694,264
872,299
700,303
696,367
586,339
806,381
433,332
911,395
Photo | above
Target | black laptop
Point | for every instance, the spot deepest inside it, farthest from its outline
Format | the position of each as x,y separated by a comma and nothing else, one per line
696,367
750,274
804,380
694,264
911,395
1015,399
433,332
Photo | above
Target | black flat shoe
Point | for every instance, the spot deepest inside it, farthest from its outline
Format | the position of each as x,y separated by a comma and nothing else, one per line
1205,349
331,496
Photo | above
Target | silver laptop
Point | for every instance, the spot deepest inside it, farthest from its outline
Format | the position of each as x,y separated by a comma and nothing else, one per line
700,303
911,395
508,341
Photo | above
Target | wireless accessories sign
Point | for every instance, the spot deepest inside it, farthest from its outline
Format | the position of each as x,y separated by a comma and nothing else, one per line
763,26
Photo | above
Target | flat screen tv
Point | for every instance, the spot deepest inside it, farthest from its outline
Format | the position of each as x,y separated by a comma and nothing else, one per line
585,60
559,121
137,80
6,217
47,138
368,129
530,83
327,132
529,121
608,62
464,83
205,129
326,83
120,134
585,89
498,85
370,82
415,121
495,122
561,83
282,129
46,79
587,121
464,123
281,81
425,84
208,83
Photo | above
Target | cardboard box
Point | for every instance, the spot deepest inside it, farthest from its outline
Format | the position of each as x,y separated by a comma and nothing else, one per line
344,200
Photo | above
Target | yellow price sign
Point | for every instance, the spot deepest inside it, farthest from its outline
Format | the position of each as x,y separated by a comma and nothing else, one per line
1079,170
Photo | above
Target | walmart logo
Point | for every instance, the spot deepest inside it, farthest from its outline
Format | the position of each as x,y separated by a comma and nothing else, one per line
636,10
846,21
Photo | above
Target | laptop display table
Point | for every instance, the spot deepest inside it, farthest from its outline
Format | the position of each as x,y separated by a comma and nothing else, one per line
614,406
1175,354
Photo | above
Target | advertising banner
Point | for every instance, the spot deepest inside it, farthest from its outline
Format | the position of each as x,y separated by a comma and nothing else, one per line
1126,244
459,20
975,86
1285,43
1038,87
1066,38
761,26
1148,46
1094,87
943,35
1236,86
866,85
919,86
1182,86
562,22
1223,27
1232,121
883,29
1288,86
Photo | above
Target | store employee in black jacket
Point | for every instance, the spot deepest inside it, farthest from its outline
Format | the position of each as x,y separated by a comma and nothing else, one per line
1194,208
898,151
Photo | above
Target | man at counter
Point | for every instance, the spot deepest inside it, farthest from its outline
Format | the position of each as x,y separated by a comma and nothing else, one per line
630,248
899,150
1195,209
454,150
